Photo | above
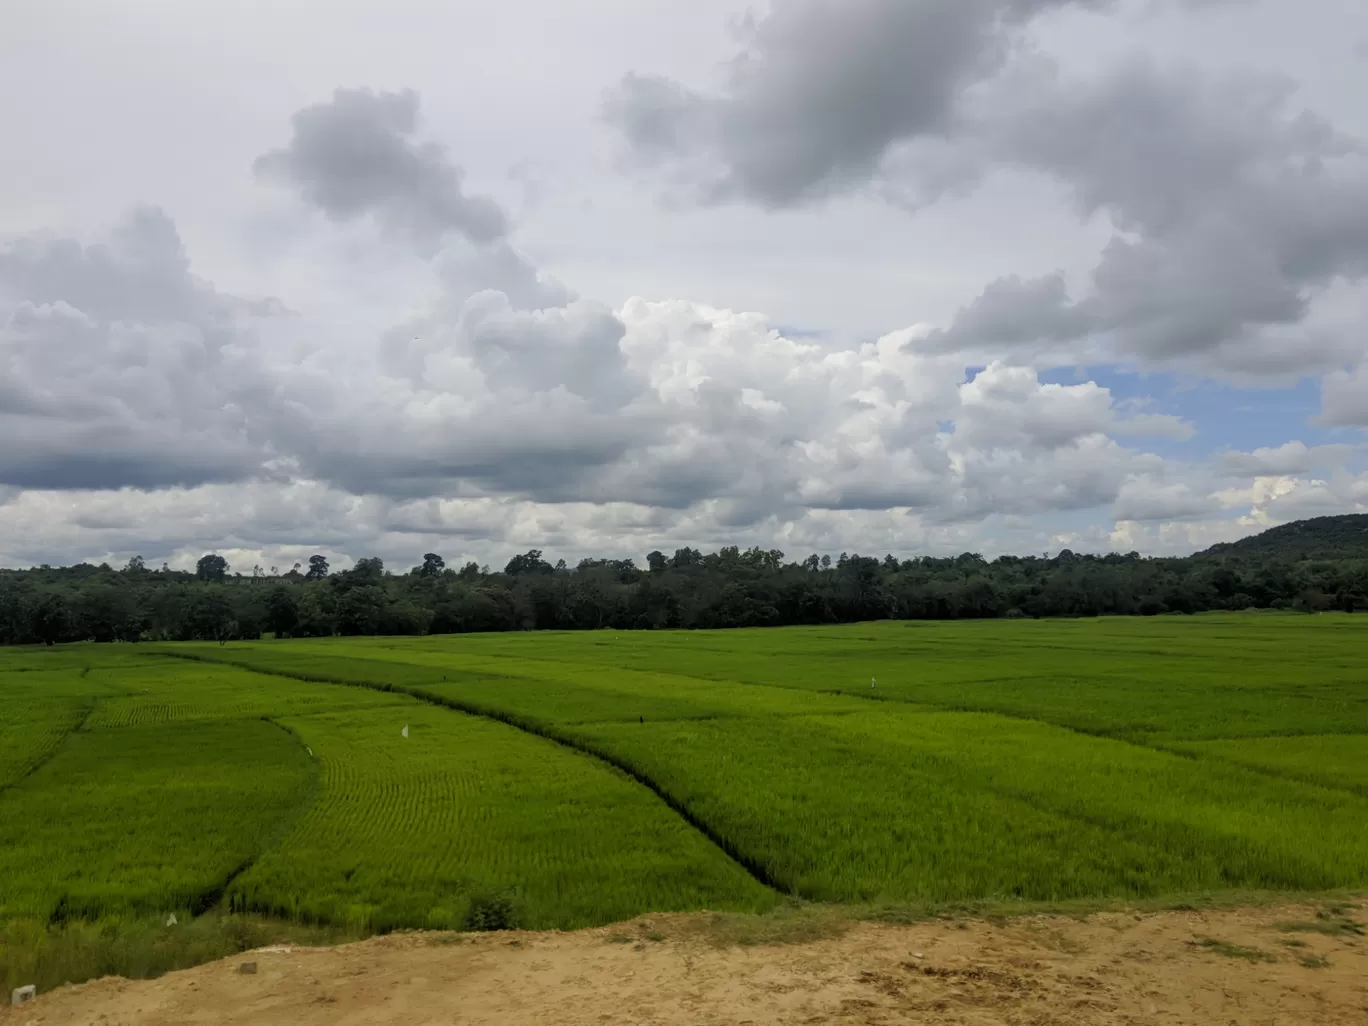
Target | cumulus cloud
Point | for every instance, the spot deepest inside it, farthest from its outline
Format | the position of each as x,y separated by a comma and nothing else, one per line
144,403
1147,499
1263,502
356,155
1290,458
1234,214
1182,537
669,418
819,92
689,418
1285,498
119,367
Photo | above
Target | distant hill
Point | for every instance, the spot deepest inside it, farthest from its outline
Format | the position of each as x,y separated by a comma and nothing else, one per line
1344,537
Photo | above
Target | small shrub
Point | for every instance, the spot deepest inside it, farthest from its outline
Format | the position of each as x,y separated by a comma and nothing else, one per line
493,911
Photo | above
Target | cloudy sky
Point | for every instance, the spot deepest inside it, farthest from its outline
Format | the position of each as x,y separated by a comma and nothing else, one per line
909,276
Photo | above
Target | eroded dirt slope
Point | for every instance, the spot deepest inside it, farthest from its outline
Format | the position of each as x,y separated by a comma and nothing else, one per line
1228,967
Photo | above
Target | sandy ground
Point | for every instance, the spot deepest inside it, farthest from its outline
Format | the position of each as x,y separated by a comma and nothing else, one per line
1111,968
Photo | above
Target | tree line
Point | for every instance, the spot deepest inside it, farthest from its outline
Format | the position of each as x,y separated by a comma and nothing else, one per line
690,589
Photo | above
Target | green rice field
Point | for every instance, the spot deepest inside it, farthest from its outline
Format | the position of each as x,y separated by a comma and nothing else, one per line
565,780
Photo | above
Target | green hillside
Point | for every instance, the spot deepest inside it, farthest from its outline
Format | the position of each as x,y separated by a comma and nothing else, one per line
1343,537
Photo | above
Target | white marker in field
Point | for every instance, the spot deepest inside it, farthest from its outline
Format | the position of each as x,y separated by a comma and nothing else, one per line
404,732
873,683
171,919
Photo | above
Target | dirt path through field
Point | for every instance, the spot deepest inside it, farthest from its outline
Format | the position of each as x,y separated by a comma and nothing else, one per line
1227,967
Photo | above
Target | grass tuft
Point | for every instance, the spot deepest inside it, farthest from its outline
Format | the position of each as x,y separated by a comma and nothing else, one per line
1229,950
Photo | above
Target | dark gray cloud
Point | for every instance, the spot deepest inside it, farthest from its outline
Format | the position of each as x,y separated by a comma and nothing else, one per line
819,92
822,92
140,272
118,368
158,380
355,155
1234,213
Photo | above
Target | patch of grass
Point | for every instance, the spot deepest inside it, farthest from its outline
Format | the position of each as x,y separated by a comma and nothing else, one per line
1292,942
1229,950
1326,922
1314,961
138,948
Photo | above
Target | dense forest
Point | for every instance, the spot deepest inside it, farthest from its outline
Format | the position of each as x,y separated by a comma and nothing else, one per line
1313,566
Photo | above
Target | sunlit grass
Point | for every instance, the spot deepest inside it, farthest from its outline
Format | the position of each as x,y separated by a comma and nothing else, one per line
997,762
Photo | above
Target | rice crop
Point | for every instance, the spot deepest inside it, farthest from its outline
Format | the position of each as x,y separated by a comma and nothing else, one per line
427,829
145,819
1333,760
569,779
900,762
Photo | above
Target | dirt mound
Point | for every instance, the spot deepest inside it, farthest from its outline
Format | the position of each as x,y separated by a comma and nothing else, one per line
1293,964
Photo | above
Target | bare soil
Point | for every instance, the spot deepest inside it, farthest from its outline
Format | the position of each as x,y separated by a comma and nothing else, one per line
1277,965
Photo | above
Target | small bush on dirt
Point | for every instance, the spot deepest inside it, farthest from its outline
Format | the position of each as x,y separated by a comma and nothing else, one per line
494,911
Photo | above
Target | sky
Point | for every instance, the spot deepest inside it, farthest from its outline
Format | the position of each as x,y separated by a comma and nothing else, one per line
908,276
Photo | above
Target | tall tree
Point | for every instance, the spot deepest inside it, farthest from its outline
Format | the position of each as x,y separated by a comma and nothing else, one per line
282,612
210,618
529,562
50,619
211,568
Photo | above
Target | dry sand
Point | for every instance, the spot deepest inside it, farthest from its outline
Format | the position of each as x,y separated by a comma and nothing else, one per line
1111,968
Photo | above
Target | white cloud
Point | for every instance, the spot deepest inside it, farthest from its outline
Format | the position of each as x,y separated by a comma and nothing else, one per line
1147,499
1182,538
1289,458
